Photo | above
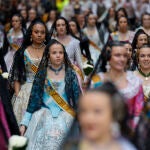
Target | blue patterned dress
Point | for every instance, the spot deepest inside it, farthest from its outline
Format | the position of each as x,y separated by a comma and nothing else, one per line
47,127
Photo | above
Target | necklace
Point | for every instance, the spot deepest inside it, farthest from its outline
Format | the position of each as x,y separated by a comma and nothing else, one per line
34,47
144,75
56,70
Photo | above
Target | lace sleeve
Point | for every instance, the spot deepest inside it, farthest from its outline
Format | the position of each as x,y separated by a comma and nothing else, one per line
17,71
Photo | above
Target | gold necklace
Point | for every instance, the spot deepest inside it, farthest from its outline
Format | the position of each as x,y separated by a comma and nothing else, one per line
41,46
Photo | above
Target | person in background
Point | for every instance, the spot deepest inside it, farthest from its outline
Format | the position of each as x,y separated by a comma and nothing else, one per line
92,32
128,47
84,42
143,68
32,14
123,33
110,21
15,38
145,24
51,18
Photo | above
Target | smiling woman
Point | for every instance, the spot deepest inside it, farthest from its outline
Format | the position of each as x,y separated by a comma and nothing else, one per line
143,72
129,85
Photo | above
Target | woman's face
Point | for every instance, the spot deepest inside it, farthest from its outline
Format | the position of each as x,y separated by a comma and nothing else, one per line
142,39
16,23
38,33
144,58
112,12
56,55
61,27
91,20
24,14
52,15
95,115
32,14
123,24
129,50
73,27
146,21
119,57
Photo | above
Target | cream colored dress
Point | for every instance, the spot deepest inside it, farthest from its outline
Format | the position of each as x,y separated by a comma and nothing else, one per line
21,101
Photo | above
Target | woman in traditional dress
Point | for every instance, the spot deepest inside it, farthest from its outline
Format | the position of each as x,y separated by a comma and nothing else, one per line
84,42
15,38
53,100
123,33
51,18
143,71
145,24
129,85
102,116
143,130
72,45
25,65
92,32
140,39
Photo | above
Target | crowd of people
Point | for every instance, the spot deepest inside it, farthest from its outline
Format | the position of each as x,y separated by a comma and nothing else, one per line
78,74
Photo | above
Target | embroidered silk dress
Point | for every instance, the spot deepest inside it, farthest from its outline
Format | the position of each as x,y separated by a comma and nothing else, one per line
47,127
15,43
21,101
133,94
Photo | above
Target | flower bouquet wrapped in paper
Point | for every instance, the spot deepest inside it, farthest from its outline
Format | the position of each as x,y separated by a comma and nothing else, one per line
17,143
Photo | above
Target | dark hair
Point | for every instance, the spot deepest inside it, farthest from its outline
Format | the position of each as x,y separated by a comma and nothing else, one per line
135,39
18,71
27,39
134,47
54,25
123,10
144,14
117,100
77,25
19,16
66,58
48,18
138,51
120,18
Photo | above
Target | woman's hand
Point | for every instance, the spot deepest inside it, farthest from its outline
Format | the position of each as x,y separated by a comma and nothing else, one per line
22,129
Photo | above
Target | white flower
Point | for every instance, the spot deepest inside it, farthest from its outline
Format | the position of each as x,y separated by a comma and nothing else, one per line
16,141
5,75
